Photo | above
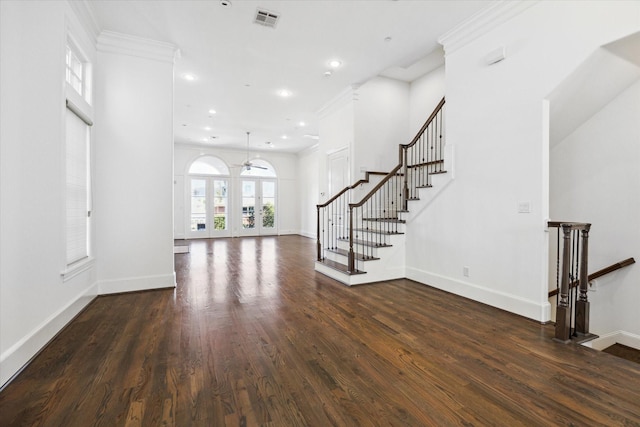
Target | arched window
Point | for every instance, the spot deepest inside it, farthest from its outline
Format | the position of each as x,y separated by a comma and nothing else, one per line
208,165
260,168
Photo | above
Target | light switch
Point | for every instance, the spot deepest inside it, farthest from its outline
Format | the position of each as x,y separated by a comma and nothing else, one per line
524,207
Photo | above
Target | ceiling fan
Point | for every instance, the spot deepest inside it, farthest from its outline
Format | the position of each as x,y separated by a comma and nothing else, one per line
247,165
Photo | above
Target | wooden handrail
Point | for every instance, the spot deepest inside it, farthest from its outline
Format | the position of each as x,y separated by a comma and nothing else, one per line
574,225
612,268
401,149
365,180
600,273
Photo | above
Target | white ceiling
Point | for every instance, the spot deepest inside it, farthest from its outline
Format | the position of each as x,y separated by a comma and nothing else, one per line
241,66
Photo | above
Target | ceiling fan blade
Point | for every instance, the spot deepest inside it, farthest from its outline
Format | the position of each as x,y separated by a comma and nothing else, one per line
259,167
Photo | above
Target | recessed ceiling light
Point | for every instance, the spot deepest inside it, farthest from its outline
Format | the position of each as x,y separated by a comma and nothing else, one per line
205,139
335,63
302,124
284,93
207,128
328,73
189,77
212,111
284,137
225,3
311,136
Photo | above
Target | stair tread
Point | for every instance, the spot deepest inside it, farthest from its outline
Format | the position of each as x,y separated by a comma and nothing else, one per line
340,267
386,233
366,243
423,164
359,256
395,220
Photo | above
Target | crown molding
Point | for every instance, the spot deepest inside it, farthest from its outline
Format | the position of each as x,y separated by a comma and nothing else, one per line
343,98
482,22
112,42
84,12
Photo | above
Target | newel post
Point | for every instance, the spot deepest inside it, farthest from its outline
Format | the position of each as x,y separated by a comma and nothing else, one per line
351,257
582,305
563,311
318,244
405,172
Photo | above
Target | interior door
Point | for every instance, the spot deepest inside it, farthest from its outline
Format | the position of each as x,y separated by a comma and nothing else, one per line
338,171
209,205
258,207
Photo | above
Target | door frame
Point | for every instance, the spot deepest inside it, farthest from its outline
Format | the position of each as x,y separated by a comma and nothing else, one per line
259,230
209,198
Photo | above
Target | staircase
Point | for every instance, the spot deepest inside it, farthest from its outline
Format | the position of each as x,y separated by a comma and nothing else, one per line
361,238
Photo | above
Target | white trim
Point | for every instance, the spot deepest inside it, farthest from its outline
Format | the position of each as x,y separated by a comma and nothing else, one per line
481,23
133,284
85,15
343,98
76,268
308,234
616,337
112,42
501,300
16,357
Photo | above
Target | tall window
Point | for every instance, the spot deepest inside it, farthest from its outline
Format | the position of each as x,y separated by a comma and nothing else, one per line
77,156
77,187
209,210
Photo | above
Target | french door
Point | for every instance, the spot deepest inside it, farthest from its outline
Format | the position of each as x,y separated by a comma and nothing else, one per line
258,213
209,207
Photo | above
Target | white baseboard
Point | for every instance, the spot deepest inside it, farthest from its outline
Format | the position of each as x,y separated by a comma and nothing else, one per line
310,235
616,337
133,284
514,304
16,357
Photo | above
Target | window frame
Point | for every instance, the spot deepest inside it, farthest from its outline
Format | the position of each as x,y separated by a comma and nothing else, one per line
77,103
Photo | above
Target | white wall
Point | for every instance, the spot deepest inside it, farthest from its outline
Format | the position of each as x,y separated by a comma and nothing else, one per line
309,191
336,130
285,164
381,123
595,178
425,93
34,301
495,119
133,201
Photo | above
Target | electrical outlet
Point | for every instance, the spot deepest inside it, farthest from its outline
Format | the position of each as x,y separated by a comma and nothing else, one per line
465,271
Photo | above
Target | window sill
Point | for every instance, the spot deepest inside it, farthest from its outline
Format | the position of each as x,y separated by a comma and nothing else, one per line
76,268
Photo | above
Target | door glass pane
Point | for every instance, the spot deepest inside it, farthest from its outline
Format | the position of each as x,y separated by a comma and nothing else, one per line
248,204
198,205
219,204
268,204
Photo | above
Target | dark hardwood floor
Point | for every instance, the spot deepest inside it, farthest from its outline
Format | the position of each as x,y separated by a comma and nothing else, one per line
253,336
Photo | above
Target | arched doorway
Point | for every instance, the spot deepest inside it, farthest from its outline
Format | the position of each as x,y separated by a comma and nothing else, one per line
258,199
208,200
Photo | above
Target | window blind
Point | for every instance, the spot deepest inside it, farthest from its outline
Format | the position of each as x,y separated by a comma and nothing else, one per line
77,186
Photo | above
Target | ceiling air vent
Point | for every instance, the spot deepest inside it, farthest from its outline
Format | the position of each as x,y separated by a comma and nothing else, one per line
266,18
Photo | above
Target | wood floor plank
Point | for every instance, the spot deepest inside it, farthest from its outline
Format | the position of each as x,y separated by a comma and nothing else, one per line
253,336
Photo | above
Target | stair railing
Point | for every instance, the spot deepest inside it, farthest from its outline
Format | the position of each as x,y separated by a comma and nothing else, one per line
572,252
377,213
331,217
